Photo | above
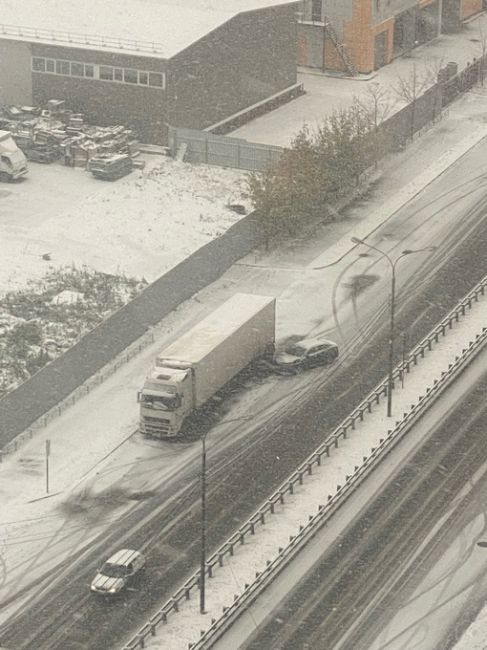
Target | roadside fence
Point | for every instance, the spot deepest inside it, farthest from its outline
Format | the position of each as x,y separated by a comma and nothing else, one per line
334,502
54,384
95,380
207,147
222,150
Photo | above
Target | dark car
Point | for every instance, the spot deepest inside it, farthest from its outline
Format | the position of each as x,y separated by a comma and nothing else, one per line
307,353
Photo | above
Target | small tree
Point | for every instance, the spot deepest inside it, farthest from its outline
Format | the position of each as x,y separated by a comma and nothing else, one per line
376,103
319,166
344,145
409,89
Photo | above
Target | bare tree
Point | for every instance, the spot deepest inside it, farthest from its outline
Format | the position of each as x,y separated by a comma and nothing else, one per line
409,89
376,103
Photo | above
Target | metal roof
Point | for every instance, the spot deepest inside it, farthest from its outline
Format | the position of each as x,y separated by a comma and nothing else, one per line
159,28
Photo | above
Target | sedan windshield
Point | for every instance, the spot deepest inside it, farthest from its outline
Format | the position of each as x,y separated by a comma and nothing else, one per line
114,570
297,350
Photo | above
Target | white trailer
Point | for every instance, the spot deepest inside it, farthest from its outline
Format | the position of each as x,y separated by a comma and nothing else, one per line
193,368
13,163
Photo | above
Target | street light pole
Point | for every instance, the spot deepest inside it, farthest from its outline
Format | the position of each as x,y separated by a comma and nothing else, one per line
203,526
390,378
393,264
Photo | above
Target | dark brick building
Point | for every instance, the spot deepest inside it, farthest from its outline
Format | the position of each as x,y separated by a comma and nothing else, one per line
147,63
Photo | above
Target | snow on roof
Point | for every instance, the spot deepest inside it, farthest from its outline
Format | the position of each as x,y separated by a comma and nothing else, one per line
159,27
221,324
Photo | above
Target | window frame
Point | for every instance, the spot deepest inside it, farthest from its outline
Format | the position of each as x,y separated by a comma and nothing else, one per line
61,64
99,72
39,59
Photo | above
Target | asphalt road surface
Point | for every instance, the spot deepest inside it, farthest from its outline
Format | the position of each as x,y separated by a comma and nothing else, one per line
64,616
374,570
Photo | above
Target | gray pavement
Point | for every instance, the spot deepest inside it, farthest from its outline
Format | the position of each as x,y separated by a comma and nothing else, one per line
326,93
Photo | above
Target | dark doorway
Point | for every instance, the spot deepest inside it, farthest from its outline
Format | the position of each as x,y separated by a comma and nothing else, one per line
404,31
451,16
429,26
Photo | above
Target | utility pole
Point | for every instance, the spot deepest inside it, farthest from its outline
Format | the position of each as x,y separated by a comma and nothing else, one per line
203,526
393,264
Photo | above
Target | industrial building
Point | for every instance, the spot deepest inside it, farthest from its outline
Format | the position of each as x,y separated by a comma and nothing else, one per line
148,63
363,35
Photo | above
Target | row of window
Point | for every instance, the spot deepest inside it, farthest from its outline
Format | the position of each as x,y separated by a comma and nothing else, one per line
100,72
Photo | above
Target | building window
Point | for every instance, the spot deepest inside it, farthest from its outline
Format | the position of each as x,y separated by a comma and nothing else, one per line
98,72
38,65
77,69
62,67
316,11
130,76
156,79
106,73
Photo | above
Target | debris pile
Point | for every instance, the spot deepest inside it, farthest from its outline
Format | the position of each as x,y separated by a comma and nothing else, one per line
56,133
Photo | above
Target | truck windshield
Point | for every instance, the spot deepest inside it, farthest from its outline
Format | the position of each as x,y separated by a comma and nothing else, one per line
16,157
162,401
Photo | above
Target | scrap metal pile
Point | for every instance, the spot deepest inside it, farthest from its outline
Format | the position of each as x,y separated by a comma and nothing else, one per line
56,133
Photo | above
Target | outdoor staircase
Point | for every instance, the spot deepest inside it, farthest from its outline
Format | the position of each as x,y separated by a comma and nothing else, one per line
340,48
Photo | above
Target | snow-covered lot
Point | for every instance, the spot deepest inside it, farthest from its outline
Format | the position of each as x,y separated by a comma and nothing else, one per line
140,226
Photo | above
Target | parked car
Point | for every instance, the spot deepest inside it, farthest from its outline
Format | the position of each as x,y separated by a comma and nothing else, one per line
110,168
118,572
307,353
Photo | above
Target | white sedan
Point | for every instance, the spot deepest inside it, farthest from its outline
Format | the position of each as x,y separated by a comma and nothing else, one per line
118,572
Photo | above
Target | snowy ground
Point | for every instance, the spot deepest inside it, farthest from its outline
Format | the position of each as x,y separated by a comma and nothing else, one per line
141,225
94,488
75,218
184,627
326,93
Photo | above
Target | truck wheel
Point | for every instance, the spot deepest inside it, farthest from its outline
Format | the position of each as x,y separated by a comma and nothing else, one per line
4,177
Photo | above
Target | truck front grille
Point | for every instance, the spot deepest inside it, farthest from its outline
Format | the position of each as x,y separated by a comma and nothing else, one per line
156,426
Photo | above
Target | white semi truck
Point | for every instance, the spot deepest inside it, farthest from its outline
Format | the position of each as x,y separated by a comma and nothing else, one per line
13,163
188,372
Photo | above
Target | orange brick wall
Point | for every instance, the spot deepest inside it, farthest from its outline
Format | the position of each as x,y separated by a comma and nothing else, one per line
358,35
332,59
471,7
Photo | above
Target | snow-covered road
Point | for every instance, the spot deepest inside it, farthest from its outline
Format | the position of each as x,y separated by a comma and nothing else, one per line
92,449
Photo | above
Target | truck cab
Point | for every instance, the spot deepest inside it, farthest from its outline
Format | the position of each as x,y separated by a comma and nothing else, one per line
13,163
165,400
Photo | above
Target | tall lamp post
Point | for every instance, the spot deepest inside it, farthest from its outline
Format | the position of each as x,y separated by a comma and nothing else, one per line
393,264
203,526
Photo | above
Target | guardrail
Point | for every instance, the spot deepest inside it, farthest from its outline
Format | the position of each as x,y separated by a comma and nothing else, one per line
306,468
325,512
77,38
